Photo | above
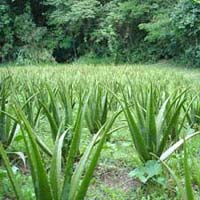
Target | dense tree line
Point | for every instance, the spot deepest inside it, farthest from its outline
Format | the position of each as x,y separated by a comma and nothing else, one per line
33,31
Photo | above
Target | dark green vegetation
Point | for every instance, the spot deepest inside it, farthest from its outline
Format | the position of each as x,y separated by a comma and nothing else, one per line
117,31
99,132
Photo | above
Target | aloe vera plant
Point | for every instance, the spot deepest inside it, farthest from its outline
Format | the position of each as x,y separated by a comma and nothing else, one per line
188,185
97,109
194,114
187,192
10,173
8,127
53,110
152,132
56,105
113,103
30,103
70,183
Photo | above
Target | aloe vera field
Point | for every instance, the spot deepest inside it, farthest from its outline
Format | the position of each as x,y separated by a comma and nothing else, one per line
98,132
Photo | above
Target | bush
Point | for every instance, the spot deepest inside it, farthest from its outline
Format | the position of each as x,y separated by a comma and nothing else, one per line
28,55
192,56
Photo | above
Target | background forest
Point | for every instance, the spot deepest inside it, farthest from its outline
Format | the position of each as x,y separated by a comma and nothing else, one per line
117,31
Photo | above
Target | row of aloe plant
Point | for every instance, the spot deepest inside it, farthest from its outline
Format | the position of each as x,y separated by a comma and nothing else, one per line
155,120
52,185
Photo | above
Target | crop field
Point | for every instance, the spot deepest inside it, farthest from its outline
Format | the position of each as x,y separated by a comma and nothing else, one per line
95,132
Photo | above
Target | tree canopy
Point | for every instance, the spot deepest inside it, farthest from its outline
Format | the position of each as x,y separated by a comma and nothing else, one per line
34,31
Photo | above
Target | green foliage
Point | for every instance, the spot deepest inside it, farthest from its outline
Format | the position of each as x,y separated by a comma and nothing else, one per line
51,186
188,184
11,175
8,126
174,32
194,115
31,48
6,32
22,39
97,109
123,31
152,127
53,106
151,170
93,59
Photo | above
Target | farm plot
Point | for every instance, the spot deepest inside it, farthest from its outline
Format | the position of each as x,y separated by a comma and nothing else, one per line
99,132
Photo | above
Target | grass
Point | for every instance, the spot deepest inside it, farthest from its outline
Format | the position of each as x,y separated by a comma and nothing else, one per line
48,99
